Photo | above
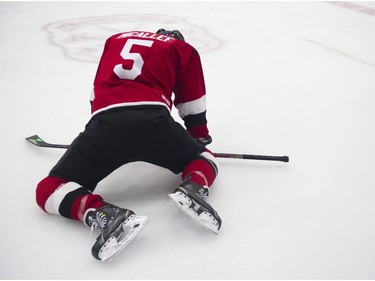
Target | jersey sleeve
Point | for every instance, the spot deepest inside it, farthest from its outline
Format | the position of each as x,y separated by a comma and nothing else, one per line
92,96
190,95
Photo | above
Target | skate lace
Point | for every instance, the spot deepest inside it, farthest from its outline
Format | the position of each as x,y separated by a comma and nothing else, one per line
94,225
203,193
99,222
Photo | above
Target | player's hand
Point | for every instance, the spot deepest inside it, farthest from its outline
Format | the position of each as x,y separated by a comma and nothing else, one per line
205,141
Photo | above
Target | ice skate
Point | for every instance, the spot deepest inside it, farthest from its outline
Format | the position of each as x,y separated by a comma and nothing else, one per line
191,198
117,228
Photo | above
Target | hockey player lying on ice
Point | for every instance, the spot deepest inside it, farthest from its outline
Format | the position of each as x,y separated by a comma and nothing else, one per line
131,121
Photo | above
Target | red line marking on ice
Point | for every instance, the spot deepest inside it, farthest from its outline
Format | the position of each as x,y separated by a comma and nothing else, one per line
354,7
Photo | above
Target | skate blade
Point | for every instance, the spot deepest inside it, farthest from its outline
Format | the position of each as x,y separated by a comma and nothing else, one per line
131,227
205,219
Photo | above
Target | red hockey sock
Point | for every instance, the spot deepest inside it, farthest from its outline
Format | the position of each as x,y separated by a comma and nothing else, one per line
46,188
200,171
82,203
68,199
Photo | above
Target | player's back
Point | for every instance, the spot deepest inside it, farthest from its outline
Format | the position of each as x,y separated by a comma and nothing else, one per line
138,68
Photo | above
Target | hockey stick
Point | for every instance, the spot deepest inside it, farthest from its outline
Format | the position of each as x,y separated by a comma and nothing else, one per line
36,140
252,157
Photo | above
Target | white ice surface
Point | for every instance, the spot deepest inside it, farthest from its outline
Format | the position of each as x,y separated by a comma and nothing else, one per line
283,78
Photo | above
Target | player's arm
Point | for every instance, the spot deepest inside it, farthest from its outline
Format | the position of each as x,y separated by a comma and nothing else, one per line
105,49
190,97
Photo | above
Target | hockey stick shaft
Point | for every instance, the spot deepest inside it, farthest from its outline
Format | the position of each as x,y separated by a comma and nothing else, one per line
36,140
252,157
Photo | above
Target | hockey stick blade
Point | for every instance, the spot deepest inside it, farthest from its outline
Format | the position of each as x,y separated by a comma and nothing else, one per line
38,141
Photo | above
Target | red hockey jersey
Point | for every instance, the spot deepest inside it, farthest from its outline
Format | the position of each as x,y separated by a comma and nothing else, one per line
144,68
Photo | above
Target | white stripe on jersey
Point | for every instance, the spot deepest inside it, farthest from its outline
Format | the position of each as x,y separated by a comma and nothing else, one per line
192,107
53,202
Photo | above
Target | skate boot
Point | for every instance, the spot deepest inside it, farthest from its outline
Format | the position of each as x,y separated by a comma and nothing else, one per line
117,228
191,198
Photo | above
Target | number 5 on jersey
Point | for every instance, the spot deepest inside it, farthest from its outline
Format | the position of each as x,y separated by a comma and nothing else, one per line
138,62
